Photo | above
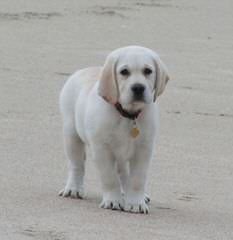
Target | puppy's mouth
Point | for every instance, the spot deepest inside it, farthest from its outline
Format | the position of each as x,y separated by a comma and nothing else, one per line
134,106
135,102
138,101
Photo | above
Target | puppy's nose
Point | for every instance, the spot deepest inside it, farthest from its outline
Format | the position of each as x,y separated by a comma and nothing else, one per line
138,89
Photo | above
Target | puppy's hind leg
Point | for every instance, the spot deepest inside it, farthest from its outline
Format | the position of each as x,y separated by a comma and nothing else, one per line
75,152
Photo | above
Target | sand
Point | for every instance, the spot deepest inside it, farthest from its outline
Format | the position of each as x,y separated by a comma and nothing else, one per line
191,176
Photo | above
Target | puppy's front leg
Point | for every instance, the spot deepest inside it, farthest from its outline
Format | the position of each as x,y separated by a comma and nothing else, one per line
112,198
135,190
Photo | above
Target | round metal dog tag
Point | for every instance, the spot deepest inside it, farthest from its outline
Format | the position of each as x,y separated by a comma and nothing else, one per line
134,132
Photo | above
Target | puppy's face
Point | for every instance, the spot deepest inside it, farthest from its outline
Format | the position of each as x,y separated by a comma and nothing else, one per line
135,76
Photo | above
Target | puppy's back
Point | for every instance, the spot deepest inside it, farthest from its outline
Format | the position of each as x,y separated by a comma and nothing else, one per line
81,82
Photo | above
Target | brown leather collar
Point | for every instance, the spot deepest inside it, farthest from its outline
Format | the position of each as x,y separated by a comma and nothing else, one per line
126,114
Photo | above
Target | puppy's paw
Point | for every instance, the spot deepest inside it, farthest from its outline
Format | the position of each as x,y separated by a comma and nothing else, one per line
137,207
136,202
72,192
74,186
112,201
146,198
111,204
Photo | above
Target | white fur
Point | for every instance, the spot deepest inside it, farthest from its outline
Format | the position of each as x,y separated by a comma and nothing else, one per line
89,119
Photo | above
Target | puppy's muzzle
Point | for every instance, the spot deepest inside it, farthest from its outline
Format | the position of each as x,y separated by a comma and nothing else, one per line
138,91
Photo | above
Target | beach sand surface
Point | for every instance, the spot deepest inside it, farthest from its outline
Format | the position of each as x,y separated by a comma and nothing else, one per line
191,175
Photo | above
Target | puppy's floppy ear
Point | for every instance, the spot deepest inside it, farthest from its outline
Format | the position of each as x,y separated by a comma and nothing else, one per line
108,86
162,76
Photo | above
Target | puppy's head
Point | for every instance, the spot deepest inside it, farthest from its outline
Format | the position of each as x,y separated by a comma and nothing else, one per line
133,76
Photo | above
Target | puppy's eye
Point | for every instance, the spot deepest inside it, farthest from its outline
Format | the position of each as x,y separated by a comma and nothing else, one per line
147,71
124,72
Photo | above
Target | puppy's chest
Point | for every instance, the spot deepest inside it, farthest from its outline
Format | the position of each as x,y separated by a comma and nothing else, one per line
121,141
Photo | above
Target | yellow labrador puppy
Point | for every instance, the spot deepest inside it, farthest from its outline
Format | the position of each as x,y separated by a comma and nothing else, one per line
113,110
